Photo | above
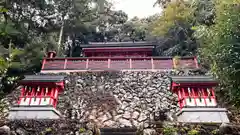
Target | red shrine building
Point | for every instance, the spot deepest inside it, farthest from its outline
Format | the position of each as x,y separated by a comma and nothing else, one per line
118,49
38,98
196,95
196,99
117,56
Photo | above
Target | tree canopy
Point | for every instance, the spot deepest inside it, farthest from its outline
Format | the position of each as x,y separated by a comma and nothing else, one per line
220,47
209,29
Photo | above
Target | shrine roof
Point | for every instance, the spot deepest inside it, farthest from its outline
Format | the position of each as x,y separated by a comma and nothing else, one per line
43,78
117,44
193,79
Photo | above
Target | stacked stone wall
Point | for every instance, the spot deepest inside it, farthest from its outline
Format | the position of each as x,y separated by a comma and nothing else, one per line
118,99
113,99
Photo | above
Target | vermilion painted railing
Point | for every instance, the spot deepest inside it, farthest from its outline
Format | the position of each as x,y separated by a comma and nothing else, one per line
116,63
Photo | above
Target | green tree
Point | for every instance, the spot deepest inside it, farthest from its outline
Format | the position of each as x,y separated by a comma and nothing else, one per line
164,3
220,47
174,26
204,11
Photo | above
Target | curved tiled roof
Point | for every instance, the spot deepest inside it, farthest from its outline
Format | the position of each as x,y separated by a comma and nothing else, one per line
117,44
43,78
193,79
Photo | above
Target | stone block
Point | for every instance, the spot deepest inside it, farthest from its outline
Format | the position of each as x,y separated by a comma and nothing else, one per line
203,115
33,112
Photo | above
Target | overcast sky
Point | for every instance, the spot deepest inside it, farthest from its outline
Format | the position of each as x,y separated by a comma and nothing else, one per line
140,8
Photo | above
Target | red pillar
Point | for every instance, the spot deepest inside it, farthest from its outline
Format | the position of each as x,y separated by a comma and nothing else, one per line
43,63
56,97
52,96
204,95
23,91
194,96
109,62
65,64
41,95
32,94
184,97
130,62
196,62
180,98
212,97
22,94
152,63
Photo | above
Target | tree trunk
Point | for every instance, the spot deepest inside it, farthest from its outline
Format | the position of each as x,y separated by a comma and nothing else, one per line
60,38
10,48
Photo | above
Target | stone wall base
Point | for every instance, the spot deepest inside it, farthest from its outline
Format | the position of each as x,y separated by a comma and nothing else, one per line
118,131
33,112
203,115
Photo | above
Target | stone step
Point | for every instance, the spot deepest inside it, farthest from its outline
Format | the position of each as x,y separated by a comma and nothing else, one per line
118,131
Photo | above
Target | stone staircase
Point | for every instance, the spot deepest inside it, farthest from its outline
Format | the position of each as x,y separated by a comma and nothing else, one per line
118,131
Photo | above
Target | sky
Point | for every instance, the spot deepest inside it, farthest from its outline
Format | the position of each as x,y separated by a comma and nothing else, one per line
139,8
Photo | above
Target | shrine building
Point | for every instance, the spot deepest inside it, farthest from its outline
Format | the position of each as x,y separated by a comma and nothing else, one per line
196,94
119,56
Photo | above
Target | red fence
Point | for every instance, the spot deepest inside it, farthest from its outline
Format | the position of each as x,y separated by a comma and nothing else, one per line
116,63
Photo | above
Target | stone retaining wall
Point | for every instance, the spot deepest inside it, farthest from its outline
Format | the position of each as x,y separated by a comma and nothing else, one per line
123,99
119,99
116,99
